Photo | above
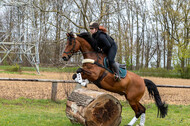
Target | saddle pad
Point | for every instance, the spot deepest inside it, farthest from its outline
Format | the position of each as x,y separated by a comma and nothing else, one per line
122,71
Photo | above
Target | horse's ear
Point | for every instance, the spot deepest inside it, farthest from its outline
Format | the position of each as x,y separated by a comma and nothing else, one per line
73,35
68,34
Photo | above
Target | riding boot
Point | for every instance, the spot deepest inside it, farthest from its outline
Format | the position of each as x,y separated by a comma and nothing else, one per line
115,69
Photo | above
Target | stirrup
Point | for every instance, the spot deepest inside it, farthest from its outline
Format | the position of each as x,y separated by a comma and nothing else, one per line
117,78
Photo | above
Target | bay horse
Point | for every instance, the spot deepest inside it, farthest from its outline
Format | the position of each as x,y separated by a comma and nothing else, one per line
132,86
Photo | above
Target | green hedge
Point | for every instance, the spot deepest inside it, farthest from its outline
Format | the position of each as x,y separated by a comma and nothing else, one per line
159,72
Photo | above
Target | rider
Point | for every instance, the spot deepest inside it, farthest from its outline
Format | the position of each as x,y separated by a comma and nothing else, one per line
105,44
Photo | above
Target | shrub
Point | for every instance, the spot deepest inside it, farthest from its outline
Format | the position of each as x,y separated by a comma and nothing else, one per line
158,72
184,73
15,68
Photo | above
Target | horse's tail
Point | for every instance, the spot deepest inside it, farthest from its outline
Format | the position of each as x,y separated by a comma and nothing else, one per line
153,91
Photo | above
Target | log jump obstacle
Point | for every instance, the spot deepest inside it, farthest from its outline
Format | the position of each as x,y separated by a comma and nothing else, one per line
54,84
93,108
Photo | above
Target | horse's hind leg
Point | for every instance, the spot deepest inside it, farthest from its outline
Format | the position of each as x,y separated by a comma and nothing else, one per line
135,109
139,111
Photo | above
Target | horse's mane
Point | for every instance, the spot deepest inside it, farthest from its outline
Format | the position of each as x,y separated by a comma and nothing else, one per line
87,36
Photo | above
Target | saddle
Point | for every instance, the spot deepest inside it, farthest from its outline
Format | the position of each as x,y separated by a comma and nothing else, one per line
122,68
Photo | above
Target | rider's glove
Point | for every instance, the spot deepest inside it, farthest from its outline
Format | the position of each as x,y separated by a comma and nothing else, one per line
100,50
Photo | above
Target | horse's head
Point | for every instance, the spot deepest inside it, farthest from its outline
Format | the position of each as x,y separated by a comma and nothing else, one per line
72,46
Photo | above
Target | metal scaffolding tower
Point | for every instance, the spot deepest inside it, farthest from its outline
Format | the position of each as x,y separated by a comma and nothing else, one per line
22,43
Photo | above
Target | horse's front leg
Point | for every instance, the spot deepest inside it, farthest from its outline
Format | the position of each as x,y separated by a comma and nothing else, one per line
78,77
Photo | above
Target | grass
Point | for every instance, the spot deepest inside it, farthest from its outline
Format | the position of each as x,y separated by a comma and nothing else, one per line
52,69
10,72
15,70
30,112
177,116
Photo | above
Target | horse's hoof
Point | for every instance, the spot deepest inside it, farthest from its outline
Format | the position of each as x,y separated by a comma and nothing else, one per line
79,70
74,76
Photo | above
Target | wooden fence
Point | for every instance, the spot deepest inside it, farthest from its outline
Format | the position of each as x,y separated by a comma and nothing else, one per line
54,84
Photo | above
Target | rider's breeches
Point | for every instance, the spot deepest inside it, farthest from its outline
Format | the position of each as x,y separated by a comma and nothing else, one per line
111,54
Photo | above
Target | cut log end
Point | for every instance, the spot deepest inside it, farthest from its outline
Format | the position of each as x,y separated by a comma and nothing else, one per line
95,109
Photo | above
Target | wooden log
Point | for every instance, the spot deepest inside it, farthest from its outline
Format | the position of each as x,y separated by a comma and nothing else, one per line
93,108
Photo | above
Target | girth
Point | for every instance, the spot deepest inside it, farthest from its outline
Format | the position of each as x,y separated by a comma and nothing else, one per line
97,82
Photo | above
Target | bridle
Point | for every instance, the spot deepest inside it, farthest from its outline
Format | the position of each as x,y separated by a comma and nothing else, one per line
72,51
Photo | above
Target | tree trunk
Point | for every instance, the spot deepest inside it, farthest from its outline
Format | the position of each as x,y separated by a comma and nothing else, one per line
137,42
93,108
58,32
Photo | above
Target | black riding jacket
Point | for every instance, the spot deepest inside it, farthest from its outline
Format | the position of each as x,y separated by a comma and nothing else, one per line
103,41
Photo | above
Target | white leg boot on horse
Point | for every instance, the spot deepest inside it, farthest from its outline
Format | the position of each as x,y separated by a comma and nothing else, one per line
78,78
132,122
142,121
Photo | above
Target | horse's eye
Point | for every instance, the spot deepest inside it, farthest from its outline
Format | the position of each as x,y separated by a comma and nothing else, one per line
70,42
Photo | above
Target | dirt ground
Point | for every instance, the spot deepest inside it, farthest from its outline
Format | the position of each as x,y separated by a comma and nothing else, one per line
42,90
